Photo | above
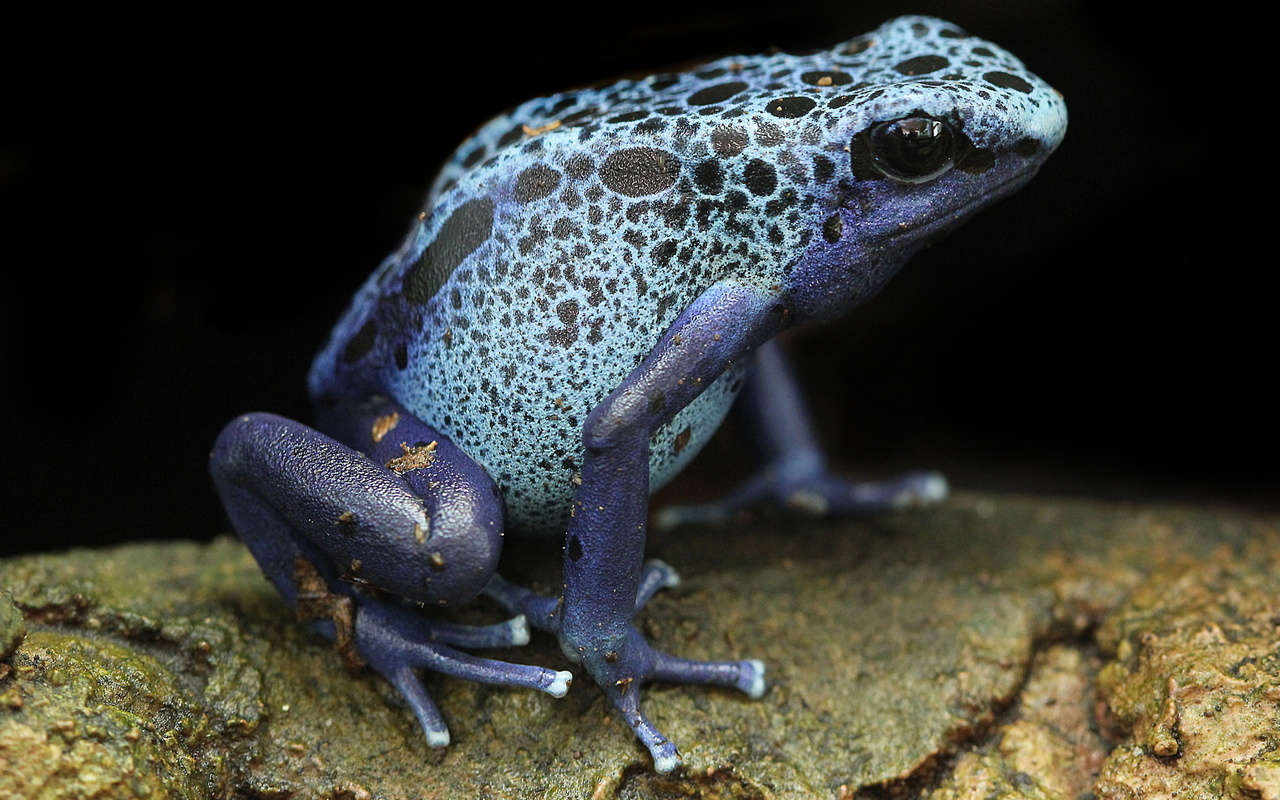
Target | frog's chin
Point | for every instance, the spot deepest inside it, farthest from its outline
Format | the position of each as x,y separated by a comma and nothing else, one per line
828,281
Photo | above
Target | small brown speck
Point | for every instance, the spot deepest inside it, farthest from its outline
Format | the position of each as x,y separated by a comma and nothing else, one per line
384,425
541,129
682,439
415,457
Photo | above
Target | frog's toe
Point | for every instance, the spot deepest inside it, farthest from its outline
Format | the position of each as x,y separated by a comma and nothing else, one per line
396,641
512,632
903,491
656,576
747,675
420,703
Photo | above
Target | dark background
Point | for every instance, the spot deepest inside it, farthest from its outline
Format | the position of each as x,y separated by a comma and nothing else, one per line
186,206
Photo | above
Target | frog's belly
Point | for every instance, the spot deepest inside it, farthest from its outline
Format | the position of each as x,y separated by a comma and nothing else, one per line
525,427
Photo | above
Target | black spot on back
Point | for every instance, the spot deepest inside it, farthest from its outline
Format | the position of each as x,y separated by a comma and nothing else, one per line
535,183
1006,81
922,65
468,227
760,178
791,107
826,78
640,171
729,140
630,116
708,176
715,94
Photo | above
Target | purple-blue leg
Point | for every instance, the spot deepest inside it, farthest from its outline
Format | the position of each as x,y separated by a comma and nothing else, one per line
407,514
604,576
796,474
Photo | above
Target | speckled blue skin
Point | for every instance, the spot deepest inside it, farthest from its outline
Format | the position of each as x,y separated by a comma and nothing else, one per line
593,280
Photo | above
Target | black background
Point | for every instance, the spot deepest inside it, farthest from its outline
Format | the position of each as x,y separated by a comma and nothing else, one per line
187,204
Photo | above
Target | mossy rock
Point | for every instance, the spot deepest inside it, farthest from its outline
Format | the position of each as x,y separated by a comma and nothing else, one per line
992,647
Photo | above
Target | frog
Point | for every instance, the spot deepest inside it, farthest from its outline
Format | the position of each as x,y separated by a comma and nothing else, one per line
594,279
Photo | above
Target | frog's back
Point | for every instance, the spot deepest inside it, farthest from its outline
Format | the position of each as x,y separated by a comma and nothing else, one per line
562,239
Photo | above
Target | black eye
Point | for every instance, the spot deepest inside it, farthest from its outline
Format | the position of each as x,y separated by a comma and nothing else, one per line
911,149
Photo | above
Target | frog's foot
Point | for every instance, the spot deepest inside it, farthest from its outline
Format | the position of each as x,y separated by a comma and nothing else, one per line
620,670
818,493
394,641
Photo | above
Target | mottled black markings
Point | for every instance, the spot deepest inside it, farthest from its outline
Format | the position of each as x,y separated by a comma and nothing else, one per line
1028,147
715,94
469,226
574,548
663,252
640,171
358,346
579,167
977,161
1006,81
654,125
823,169
565,228
708,176
922,65
401,356
833,228
567,312
760,178
729,140
535,183
791,107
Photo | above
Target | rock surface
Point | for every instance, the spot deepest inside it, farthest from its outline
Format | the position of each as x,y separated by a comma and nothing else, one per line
993,647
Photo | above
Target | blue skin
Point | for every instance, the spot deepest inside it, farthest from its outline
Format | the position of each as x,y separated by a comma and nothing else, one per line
593,280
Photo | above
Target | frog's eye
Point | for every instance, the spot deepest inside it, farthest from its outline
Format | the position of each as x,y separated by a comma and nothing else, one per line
910,149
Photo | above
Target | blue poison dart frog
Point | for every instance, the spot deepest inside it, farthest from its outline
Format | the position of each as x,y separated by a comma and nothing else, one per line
593,280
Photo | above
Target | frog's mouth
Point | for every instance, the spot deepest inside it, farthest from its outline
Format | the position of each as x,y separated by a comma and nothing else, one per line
929,228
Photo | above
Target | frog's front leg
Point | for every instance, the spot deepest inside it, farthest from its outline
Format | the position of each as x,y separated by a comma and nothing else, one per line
604,579
795,474
415,518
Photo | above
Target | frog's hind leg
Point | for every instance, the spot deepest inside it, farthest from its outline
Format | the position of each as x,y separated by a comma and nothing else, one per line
333,528
796,475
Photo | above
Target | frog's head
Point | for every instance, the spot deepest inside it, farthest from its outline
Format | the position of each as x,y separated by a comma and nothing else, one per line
943,124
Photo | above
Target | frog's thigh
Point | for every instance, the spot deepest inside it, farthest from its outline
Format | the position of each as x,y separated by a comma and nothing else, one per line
426,526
